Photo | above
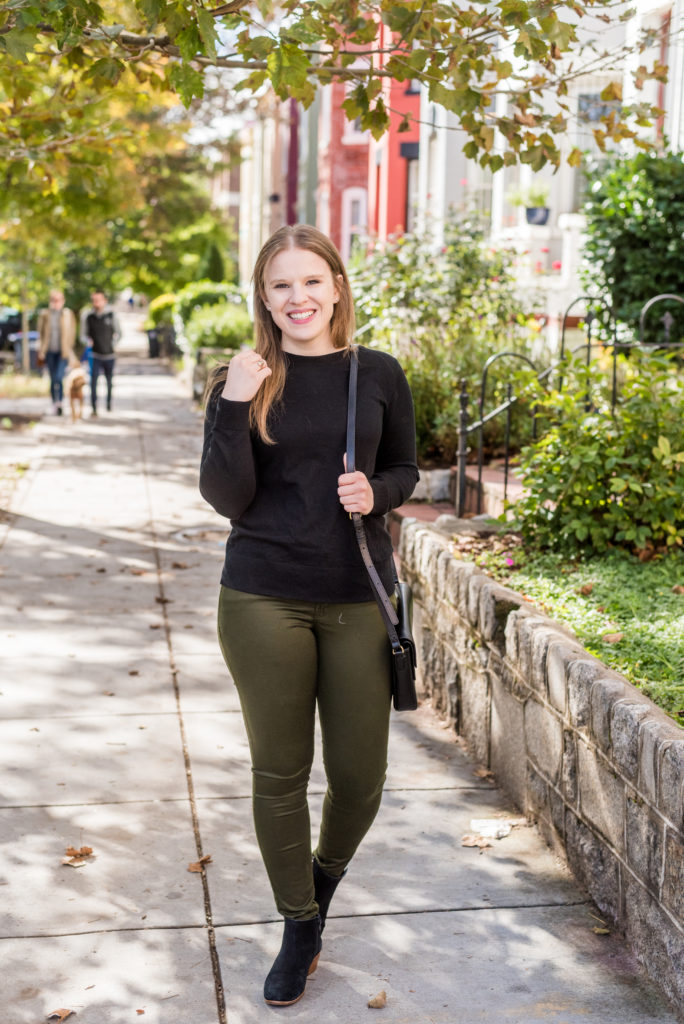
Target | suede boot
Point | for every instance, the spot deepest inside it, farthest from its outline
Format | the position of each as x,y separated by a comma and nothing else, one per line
297,959
324,889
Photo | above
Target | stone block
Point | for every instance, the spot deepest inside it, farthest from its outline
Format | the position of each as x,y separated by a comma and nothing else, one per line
420,491
431,546
512,629
535,632
544,738
475,711
655,731
602,795
496,604
581,674
671,782
569,772
655,939
443,560
562,653
536,793
645,843
407,542
457,575
469,603
593,864
624,735
673,881
507,744
605,693
557,808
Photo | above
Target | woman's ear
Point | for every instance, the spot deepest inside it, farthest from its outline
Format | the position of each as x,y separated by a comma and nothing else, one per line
338,281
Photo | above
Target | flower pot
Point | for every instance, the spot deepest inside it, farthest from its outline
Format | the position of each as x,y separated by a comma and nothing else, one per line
537,214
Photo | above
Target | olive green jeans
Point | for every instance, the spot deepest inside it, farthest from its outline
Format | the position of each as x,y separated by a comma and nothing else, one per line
285,657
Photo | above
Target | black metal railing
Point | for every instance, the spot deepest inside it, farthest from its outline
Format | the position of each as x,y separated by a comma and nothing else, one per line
590,320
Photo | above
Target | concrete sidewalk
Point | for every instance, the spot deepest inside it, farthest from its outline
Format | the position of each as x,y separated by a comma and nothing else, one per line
120,731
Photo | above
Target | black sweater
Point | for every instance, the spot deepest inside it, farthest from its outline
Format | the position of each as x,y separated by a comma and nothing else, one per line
290,535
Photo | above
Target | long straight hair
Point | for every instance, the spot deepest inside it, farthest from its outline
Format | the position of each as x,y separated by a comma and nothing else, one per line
267,335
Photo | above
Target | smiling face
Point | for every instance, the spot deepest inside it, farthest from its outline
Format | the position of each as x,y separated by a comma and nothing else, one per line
300,293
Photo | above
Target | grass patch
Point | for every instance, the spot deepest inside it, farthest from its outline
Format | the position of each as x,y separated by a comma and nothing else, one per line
23,385
628,613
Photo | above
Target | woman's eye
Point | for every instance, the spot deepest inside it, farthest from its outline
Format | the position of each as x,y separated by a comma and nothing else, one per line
313,280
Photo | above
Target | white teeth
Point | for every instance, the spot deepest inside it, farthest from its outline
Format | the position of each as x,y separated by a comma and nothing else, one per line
301,316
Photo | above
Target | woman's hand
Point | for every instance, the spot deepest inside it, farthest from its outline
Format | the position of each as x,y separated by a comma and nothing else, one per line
247,371
355,492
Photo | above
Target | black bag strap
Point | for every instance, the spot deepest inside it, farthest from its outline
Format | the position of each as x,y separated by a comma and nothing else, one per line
388,613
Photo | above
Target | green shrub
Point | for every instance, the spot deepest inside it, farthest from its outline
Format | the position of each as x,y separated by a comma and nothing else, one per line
223,325
599,478
442,314
160,311
635,225
203,293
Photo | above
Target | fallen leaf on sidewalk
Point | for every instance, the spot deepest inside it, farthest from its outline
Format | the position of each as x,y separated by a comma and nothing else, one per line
139,1012
59,1015
163,600
138,572
179,565
612,638
475,841
199,864
601,931
133,672
484,773
76,859
377,1002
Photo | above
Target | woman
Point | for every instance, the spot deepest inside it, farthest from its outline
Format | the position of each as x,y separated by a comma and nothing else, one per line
298,625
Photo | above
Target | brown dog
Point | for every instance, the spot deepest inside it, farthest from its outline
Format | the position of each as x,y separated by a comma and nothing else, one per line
74,384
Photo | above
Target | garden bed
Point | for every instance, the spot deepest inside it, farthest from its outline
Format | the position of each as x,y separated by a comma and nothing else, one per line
628,613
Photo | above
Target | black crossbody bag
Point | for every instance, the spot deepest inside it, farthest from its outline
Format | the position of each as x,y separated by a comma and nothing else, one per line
397,623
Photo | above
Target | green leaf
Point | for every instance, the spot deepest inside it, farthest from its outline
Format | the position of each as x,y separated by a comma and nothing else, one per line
19,42
106,70
187,82
664,446
207,30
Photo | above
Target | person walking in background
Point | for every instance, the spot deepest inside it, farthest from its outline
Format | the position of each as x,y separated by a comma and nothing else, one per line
57,334
102,331
298,624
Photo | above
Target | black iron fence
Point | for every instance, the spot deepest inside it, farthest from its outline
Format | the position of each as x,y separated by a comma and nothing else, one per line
591,319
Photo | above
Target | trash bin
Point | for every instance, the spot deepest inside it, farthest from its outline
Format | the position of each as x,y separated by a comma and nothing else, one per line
34,345
153,342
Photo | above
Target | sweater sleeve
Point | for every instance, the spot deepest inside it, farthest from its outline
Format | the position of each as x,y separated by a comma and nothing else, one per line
227,471
396,469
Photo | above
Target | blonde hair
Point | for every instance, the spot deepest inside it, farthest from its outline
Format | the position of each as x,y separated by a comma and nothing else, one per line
268,336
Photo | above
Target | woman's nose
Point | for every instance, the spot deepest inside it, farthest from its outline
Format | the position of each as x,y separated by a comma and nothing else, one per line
298,291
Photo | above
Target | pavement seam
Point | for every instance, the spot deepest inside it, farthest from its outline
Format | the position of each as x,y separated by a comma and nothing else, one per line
331,917
239,796
211,935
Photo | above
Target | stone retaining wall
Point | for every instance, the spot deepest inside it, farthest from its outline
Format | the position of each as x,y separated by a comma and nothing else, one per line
596,763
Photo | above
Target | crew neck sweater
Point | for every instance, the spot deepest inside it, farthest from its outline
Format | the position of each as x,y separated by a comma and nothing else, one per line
290,536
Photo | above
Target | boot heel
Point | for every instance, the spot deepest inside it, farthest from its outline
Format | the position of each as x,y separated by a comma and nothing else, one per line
314,964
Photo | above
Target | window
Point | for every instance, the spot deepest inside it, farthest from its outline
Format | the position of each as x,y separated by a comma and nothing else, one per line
354,218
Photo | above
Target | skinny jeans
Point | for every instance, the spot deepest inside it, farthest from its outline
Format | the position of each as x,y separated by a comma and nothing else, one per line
56,364
285,658
105,366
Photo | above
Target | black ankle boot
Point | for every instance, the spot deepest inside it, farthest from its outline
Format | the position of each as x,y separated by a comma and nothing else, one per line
297,959
324,889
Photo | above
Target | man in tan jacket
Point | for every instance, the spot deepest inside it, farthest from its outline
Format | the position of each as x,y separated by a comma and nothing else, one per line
57,331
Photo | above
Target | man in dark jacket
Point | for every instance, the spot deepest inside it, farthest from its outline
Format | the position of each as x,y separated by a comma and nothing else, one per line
103,331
